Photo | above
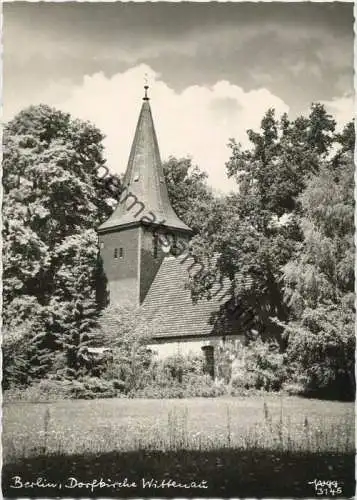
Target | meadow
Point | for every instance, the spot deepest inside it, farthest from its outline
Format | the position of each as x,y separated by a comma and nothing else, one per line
241,446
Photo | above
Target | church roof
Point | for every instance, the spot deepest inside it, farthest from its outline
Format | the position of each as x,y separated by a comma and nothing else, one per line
168,306
145,197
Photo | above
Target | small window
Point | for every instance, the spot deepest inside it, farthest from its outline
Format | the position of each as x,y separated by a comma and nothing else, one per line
155,245
121,253
102,244
174,248
115,253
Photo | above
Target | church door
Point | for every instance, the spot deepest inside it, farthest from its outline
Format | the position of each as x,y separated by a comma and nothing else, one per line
208,351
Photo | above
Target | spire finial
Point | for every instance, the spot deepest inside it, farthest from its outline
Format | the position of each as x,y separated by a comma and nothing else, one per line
146,87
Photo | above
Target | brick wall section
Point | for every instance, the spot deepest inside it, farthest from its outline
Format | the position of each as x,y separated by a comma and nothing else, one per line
149,265
129,278
121,273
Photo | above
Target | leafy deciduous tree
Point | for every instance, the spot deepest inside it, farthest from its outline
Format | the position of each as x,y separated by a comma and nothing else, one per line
53,200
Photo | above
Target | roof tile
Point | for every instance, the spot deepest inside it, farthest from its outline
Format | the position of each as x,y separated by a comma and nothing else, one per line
169,306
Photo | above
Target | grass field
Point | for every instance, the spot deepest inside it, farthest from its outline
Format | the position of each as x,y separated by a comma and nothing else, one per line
236,444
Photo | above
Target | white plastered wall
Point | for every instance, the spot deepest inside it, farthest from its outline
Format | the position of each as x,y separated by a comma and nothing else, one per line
184,347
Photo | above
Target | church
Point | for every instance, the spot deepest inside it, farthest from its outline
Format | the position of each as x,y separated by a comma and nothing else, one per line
146,258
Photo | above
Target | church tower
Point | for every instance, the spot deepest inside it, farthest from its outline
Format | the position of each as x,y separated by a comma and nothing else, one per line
143,228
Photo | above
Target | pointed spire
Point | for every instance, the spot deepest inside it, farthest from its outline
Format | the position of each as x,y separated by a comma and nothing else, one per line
145,197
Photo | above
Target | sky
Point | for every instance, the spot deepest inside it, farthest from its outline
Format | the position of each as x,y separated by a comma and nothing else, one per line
213,68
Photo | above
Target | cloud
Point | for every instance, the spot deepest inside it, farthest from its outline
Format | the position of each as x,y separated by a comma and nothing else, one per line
197,121
341,108
301,52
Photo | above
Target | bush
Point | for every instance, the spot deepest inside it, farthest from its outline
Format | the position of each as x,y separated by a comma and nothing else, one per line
202,386
257,366
180,366
322,351
294,388
265,365
195,387
45,390
122,330
156,392
179,377
93,387
50,390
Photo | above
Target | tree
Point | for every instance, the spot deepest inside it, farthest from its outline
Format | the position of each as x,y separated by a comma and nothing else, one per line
188,191
319,282
53,200
123,331
260,231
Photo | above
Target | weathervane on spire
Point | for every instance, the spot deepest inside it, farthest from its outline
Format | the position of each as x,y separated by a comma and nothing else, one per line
146,86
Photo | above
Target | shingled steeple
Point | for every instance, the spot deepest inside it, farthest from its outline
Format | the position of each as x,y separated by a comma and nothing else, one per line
143,228
145,197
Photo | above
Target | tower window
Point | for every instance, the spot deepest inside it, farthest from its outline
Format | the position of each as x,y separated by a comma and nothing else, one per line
173,244
115,253
121,253
155,245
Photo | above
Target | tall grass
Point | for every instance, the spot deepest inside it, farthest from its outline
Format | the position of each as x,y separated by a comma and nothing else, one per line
177,434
